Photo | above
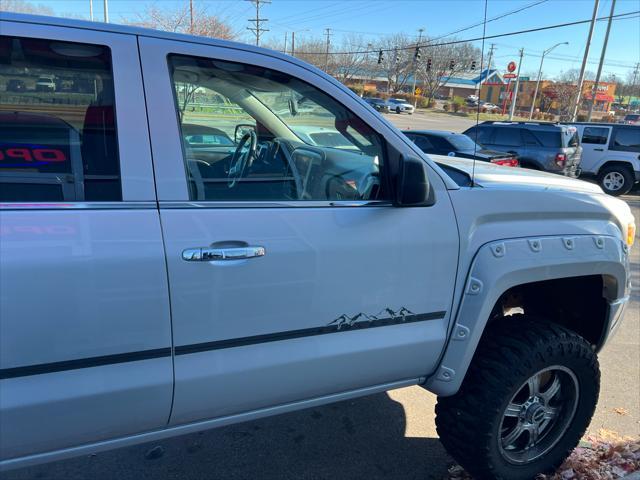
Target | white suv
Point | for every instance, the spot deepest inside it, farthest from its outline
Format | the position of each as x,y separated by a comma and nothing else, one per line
611,153
399,105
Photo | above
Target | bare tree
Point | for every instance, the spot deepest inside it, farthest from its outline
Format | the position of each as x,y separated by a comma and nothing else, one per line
396,64
23,6
346,66
179,20
446,61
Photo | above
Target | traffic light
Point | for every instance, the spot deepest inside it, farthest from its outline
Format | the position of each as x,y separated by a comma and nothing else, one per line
428,64
452,65
416,55
473,65
380,57
397,57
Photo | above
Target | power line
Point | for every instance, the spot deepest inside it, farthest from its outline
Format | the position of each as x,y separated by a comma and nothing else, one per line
492,19
257,29
619,16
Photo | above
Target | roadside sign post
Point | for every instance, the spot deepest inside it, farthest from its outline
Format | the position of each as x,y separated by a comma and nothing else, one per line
515,93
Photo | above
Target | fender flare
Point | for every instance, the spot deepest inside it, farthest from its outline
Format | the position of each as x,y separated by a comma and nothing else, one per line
503,264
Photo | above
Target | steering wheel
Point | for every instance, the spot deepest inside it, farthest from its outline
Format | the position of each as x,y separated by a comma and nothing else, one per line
240,160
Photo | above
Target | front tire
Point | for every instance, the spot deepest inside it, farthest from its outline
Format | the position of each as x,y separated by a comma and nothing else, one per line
526,401
616,180
398,111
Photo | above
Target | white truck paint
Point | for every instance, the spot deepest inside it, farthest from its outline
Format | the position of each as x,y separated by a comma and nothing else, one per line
111,335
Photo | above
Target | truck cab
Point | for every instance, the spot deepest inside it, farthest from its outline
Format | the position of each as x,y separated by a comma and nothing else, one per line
175,257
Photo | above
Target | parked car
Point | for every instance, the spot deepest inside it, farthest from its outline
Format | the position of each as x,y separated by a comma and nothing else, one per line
379,104
489,106
399,105
544,146
457,145
187,296
46,84
15,85
631,119
610,153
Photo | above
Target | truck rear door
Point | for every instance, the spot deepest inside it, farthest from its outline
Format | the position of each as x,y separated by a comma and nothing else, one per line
85,335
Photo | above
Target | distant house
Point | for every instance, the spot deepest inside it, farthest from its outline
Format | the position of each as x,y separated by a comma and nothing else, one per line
468,83
462,84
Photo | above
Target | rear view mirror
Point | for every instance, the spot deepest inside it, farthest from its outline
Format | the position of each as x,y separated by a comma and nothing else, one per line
412,184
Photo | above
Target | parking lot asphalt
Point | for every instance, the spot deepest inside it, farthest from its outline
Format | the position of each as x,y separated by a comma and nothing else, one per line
384,436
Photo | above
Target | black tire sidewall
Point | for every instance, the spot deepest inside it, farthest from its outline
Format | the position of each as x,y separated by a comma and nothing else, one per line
628,180
587,400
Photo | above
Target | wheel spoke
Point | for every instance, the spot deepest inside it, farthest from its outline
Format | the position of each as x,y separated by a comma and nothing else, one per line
534,385
552,390
513,410
513,435
534,434
551,413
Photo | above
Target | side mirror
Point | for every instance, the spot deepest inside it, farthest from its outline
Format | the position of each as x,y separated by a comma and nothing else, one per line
412,184
241,130
293,106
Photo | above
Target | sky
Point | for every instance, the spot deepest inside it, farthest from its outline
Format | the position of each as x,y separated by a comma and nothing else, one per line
374,18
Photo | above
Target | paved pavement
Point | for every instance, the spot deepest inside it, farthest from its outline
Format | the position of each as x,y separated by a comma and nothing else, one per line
384,436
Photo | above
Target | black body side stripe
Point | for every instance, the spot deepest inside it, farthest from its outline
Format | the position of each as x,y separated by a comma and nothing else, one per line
15,372
84,363
305,332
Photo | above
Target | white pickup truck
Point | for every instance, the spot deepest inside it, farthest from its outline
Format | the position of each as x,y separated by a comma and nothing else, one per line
153,285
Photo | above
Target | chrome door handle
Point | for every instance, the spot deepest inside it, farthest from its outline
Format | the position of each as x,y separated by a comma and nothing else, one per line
208,254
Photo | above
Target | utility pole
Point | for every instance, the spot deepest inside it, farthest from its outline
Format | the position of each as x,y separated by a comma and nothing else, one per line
594,88
491,49
106,11
327,32
633,82
257,22
415,69
515,93
284,50
91,10
191,16
293,44
576,104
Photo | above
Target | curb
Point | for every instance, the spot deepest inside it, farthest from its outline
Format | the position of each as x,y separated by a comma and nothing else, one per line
632,476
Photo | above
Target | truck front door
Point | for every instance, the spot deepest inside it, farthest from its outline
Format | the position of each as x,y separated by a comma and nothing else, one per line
292,277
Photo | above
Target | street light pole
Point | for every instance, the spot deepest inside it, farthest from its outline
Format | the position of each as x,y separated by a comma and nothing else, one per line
535,92
106,11
594,88
576,103
91,10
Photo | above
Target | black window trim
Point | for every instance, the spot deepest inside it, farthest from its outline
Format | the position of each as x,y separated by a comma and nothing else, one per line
386,172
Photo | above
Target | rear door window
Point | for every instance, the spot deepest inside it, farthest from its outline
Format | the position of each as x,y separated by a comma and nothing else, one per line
595,135
626,139
57,122
549,139
481,135
422,142
509,137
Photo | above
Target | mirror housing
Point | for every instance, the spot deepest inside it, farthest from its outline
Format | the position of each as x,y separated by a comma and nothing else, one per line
293,106
412,187
241,130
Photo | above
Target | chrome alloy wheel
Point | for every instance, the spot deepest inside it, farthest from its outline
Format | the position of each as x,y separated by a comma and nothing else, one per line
613,181
538,415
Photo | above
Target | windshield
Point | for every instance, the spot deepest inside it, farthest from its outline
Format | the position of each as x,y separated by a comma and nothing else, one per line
462,142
